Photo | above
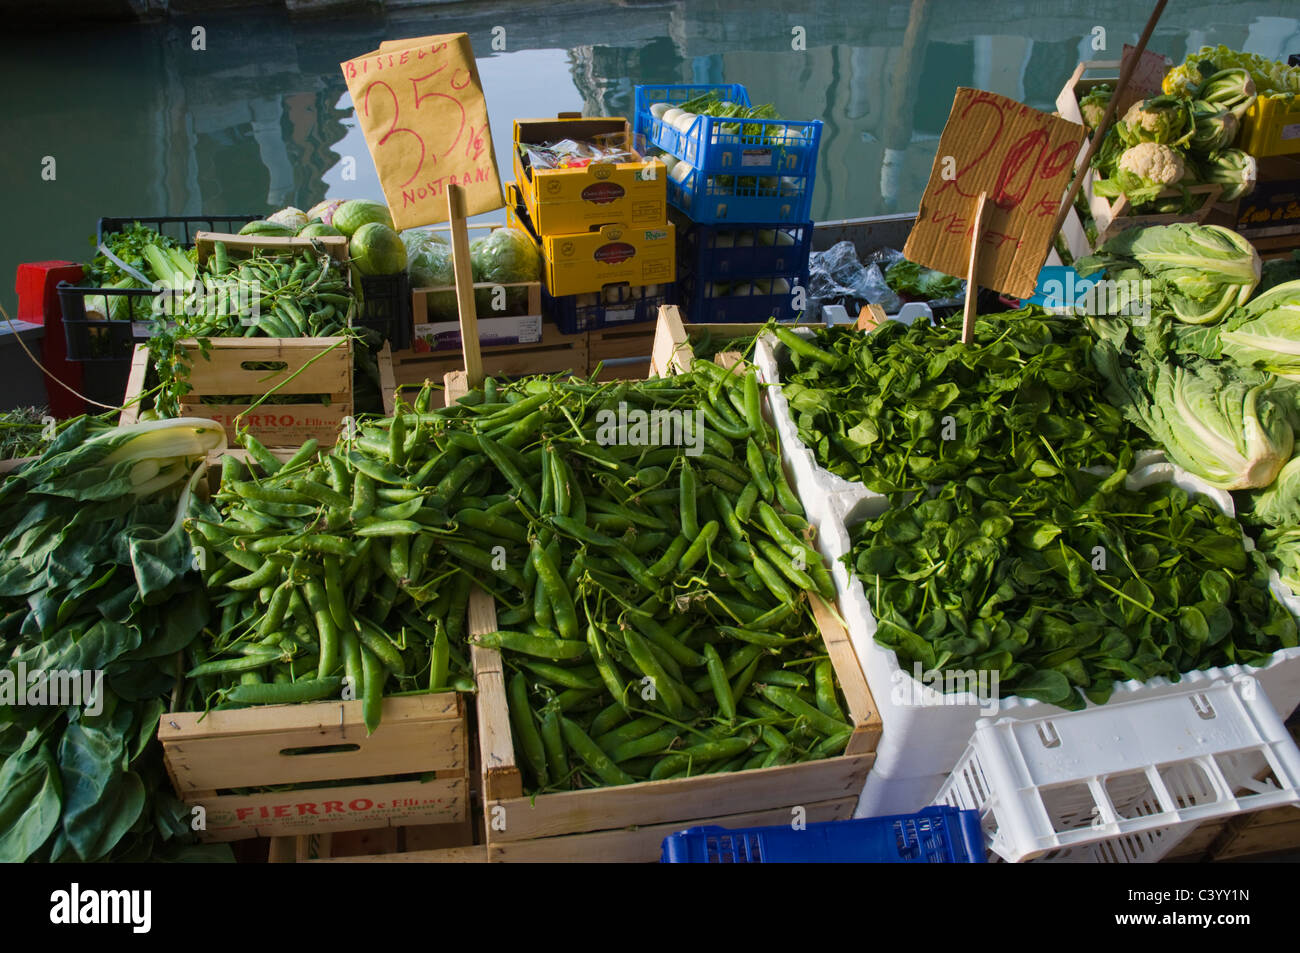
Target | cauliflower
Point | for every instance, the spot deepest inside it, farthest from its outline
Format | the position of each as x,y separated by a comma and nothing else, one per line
1093,106
1163,119
1183,80
1153,162
292,217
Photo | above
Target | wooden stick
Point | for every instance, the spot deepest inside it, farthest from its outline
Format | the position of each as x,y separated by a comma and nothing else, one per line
1126,71
972,282
464,286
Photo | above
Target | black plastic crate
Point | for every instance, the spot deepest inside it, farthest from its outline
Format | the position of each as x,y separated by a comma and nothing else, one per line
105,339
385,308
182,228
571,317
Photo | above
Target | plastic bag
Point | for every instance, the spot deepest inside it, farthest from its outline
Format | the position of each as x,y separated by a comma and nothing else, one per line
836,276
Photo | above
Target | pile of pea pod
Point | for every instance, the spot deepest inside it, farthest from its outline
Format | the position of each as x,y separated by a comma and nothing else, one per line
303,295
652,607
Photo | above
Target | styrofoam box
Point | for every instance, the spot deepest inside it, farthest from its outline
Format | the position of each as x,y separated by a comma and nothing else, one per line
925,731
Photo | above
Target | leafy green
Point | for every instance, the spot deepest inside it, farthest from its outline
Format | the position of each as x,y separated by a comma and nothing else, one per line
1063,584
914,406
1229,426
96,584
1270,337
909,278
1199,272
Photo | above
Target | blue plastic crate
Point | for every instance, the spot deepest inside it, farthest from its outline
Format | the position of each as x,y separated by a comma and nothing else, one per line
718,145
716,199
741,302
743,250
935,835
573,314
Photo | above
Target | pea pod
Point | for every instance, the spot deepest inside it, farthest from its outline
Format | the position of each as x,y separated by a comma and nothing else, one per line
526,644
566,614
592,756
788,700
372,698
718,679
689,758
557,759
526,735
286,693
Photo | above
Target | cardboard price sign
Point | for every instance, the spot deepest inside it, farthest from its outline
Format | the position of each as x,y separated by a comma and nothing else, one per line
421,108
1148,73
1022,158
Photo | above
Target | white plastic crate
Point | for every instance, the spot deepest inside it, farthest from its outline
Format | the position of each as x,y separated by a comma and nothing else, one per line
925,731
1124,782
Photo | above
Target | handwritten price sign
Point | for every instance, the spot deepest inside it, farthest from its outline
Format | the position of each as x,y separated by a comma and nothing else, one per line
1022,158
421,109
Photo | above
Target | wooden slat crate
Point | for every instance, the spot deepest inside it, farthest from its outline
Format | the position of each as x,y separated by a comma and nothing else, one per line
420,298
555,353
209,755
227,372
628,823
135,386
427,843
630,340
1114,216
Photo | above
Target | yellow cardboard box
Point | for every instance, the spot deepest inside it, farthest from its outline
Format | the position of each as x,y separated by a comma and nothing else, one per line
563,201
585,262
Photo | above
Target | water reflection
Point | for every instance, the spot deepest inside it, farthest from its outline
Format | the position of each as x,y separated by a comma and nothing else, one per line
144,124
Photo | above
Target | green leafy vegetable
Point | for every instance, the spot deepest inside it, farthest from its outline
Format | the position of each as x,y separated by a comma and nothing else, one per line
95,586
907,277
1063,585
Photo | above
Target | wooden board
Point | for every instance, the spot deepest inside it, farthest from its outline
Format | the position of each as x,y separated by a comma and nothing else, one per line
134,386
420,298
671,353
632,340
644,844
421,843
633,371
555,353
255,747
242,246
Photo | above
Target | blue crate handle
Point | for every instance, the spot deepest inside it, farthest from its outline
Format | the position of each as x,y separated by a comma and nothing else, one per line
936,834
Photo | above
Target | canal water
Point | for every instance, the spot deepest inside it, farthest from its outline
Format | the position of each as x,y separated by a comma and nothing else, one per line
138,121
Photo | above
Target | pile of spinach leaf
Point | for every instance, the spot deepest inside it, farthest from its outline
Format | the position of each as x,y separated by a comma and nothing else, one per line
1062,585
92,579
905,407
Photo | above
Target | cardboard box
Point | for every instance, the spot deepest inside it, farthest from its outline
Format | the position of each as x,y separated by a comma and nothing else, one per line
585,262
492,332
561,201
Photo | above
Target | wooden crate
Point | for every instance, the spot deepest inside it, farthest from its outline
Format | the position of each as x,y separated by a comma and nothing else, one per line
420,298
555,353
1114,216
426,843
135,385
209,755
326,368
628,823
672,354
618,343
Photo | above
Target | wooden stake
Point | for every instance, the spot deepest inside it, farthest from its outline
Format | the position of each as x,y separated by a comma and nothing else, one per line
972,282
1099,134
464,286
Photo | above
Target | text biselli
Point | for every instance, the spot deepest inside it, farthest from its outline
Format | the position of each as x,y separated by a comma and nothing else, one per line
434,187
393,59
